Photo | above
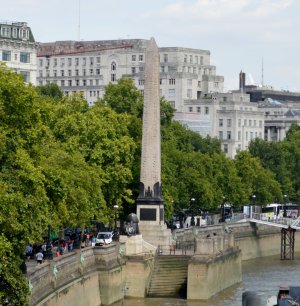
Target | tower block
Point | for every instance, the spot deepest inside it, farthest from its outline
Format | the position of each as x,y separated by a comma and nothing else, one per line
150,204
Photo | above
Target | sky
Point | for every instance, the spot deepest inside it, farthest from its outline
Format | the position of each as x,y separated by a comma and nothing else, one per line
259,37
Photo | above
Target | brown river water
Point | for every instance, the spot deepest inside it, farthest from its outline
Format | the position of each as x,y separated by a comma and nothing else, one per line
263,275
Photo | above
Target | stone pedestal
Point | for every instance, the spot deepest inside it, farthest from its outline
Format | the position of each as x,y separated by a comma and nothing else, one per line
156,234
133,244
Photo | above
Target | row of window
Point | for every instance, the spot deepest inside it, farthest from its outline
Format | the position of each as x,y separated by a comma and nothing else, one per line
193,59
7,56
198,109
9,32
186,69
239,136
247,122
70,73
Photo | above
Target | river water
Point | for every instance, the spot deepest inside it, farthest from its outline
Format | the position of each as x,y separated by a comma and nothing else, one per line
263,275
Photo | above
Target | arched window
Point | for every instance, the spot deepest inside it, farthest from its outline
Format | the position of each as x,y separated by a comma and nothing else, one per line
113,66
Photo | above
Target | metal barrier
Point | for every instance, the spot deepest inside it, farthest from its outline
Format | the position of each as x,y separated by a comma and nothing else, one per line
179,248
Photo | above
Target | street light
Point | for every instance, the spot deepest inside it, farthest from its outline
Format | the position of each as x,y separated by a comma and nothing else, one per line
223,210
192,206
253,202
116,208
284,205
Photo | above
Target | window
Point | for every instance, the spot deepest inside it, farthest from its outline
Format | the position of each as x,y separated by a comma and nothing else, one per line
260,123
97,82
113,66
206,110
91,71
199,83
69,61
6,56
220,122
221,135
69,72
239,122
113,77
172,103
251,135
97,71
62,83
84,61
190,109
91,61
25,75
239,135
225,147
189,93
62,62
70,82
98,59
141,82
254,122
228,134
133,70
84,72
76,61
77,72
245,122
47,73
201,60
15,33
250,122
133,58
141,69
40,73
91,82
77,82
171,92
196,59
185,58
191,58
25,57
142,92
62,72
55,62
198,109
171,81
141,57
165,58
216,85
228,122
84,82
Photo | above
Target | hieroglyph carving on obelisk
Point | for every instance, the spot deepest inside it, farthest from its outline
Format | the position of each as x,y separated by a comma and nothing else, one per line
151,150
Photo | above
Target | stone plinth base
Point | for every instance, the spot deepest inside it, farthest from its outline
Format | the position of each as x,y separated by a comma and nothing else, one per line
214,244
133,244
210,274
155,234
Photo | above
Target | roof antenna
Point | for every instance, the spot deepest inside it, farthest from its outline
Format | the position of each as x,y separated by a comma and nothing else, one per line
78,20
262,72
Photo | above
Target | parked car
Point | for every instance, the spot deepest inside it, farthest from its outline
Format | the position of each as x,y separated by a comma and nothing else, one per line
104,238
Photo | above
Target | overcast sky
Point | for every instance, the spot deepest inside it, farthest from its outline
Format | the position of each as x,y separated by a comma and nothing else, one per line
240,34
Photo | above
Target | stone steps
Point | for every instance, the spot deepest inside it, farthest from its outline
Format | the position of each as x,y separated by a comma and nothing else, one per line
169,276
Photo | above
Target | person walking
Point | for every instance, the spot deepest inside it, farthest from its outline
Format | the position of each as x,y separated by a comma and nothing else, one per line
28,251
39,257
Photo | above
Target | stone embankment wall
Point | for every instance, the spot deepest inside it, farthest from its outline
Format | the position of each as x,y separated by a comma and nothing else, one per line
90,277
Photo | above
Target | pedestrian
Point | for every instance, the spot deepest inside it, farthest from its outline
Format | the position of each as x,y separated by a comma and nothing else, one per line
39,257
28,251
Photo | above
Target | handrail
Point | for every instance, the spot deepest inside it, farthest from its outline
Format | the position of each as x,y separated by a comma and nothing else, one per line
186,248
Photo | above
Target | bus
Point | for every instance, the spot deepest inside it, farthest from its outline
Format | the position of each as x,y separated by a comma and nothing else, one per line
275,211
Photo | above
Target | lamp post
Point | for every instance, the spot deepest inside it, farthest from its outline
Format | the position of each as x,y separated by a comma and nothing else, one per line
253,203
116,208
193,217
285,197
223,210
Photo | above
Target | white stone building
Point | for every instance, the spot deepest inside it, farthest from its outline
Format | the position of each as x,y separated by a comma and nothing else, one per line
87,67
18,49
231,117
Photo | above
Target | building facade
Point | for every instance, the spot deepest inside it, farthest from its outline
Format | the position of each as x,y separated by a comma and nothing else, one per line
230,117
18,49
87,67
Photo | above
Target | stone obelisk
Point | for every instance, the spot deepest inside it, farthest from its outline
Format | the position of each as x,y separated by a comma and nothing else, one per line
150,205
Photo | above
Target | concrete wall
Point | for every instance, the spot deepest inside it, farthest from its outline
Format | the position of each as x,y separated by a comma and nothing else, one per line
210,275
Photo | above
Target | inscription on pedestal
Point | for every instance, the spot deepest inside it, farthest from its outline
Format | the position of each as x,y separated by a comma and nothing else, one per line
148,214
